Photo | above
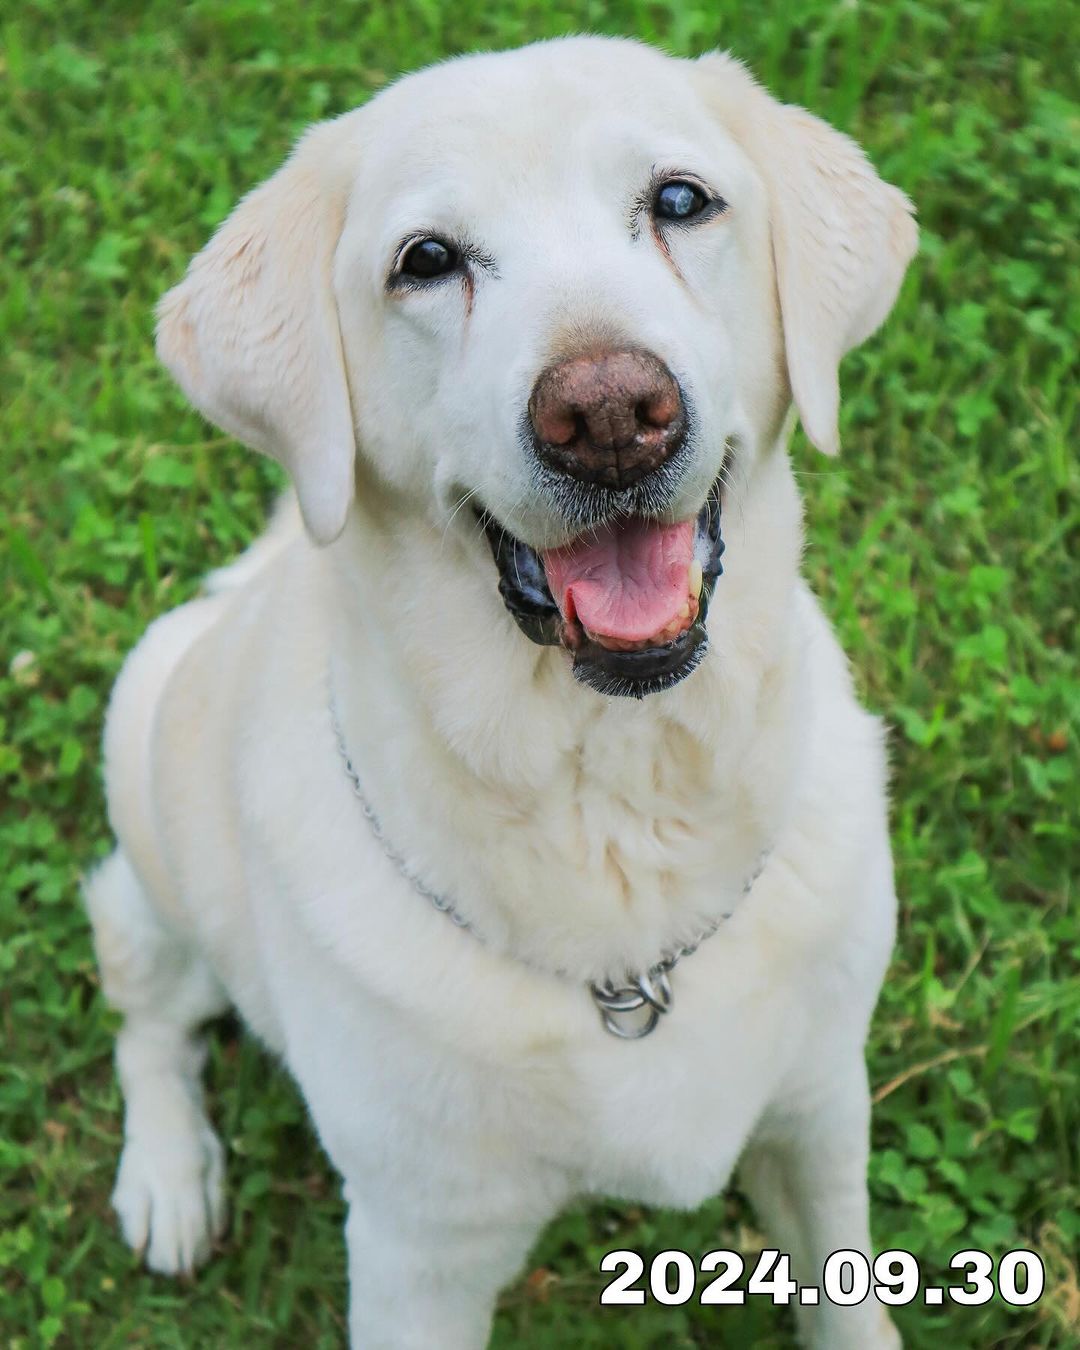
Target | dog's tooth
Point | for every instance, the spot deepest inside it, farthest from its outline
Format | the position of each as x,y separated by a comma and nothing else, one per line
694,579
684,613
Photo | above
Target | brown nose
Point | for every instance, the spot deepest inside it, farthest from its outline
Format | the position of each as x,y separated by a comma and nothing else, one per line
608,418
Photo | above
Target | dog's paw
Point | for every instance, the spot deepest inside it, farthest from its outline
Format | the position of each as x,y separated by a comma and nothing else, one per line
882,1336
886,1336
866,1326
170,1198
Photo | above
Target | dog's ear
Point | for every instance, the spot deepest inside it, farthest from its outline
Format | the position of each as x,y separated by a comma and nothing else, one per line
842,237
251,333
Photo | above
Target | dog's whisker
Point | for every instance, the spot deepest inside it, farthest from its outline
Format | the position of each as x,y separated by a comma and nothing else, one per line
462,502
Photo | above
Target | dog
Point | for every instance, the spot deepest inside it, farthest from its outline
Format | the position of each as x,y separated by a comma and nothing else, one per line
512,786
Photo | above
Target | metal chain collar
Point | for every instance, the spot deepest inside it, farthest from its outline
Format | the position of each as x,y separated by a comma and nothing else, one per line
629,1011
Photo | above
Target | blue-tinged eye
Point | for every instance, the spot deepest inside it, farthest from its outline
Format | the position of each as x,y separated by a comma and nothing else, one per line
678,201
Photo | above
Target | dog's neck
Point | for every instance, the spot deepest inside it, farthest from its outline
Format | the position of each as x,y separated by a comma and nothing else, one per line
597,830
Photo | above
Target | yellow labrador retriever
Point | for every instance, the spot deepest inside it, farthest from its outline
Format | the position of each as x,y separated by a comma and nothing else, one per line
541,836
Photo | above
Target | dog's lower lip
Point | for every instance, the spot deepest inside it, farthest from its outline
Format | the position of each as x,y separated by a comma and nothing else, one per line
612,669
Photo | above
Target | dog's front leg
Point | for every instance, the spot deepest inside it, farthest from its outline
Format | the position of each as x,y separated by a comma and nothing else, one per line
805,1175
419,1281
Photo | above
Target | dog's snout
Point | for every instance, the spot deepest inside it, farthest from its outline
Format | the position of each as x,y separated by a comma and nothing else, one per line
607,418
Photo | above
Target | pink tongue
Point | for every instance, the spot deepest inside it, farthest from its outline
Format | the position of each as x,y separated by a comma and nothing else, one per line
625,581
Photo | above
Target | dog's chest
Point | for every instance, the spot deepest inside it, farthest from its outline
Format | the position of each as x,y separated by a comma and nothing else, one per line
663,1120
635,841
641,802
638,839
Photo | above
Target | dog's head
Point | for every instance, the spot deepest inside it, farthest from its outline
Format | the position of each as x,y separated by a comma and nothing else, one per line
568,285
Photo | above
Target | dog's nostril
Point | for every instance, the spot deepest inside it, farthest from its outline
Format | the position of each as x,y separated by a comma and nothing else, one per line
662,408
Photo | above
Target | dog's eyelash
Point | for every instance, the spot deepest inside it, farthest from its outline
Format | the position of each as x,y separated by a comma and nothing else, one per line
639,209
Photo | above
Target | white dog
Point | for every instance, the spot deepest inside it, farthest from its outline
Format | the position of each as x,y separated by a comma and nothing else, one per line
520,329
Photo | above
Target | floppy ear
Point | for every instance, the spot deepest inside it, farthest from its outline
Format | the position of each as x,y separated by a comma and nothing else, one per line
842,237
251,333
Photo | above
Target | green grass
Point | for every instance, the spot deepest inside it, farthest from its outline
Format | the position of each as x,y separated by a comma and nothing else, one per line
943,544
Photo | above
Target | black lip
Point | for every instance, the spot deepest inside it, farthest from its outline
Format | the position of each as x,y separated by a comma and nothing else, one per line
650,671
525,592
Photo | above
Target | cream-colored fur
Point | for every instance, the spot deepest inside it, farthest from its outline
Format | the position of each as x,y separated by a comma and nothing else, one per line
464,1096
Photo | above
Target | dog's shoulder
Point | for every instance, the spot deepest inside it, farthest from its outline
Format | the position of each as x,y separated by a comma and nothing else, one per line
182,705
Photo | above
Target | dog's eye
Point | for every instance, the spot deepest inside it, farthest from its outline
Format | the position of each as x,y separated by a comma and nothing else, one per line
429,258
679,201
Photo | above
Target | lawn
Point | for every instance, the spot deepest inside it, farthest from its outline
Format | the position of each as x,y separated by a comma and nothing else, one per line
943,543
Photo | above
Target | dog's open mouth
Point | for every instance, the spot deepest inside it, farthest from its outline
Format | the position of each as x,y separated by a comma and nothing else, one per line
628,599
